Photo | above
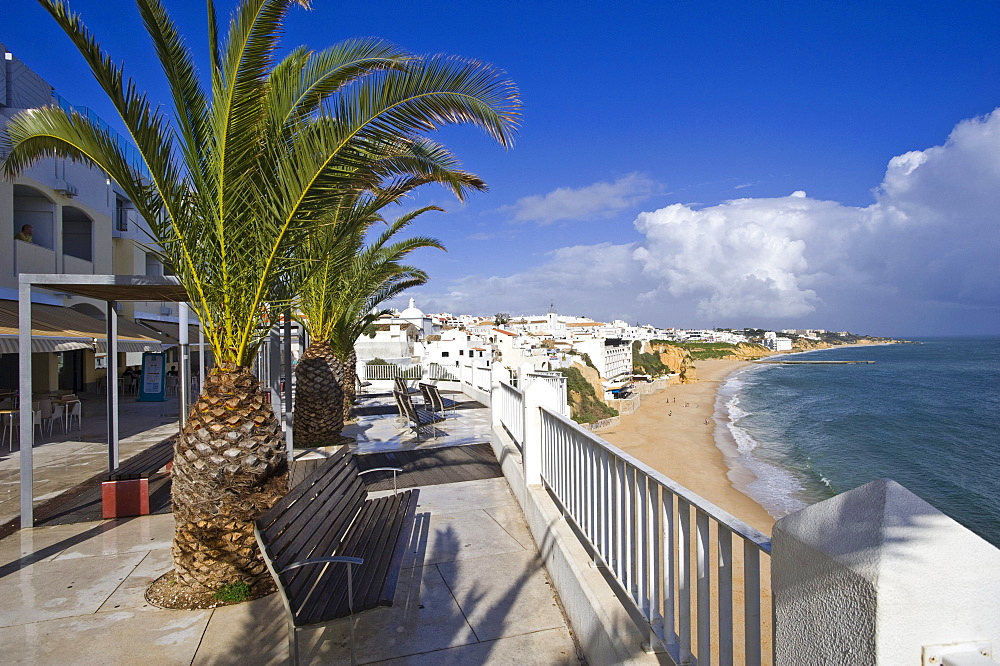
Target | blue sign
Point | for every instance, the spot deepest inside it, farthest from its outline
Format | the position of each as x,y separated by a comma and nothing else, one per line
152,381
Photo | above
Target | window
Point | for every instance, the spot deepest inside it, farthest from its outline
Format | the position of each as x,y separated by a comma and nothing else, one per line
444,354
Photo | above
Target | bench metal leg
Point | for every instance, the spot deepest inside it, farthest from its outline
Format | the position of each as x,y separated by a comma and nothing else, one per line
293,647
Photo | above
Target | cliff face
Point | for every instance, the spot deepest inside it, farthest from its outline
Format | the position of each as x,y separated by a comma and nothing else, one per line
801,344
678,360
592,377
748,352
586,397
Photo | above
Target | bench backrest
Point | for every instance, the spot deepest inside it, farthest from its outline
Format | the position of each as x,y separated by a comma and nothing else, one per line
329,498
431,397
406,404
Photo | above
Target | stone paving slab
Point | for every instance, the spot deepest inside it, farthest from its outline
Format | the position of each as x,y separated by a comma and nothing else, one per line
474,593
62,461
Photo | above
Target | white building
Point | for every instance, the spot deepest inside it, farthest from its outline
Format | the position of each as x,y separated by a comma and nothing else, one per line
775,343
611,356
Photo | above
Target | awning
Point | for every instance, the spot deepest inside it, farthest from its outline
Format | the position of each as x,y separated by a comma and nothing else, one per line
57,329
169,333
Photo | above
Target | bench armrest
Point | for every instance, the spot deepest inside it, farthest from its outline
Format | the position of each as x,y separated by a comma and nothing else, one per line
336,559
324,560
385,469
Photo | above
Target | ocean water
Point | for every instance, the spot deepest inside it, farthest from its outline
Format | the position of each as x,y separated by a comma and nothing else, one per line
926,415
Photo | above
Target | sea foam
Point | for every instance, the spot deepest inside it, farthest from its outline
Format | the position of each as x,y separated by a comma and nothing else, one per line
775,488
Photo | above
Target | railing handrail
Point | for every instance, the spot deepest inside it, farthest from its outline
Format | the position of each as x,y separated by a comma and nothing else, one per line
731,522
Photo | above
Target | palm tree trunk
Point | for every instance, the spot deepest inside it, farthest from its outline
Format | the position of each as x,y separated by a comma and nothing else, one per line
229,467
319,394
350,383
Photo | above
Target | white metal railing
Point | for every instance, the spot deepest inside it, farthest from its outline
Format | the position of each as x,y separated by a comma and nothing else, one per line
557,380
509,403
660,542
440,373
482,378
392,371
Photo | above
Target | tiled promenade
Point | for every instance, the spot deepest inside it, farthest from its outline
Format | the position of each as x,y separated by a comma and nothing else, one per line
472,590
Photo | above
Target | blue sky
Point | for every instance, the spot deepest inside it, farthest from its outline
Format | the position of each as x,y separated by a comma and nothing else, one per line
695,164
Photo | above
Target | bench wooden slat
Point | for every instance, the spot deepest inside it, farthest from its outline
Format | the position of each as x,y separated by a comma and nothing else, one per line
322,543
374,539
144,464
389,554
269,517
338,481
334,581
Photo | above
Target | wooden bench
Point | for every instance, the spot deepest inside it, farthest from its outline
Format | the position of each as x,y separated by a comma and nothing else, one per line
332,551
125,490
417,417
433,399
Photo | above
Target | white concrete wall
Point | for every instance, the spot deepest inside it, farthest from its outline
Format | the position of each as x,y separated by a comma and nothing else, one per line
874,575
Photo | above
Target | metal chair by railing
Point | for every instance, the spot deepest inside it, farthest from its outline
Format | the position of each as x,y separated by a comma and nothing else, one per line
659,541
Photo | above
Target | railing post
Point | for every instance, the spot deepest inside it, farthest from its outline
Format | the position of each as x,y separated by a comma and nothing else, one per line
877,576
539,394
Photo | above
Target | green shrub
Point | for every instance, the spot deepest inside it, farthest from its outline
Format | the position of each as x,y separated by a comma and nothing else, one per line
232,593
587,408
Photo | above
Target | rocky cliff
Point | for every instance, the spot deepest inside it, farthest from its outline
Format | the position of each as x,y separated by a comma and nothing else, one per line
748,352
678,360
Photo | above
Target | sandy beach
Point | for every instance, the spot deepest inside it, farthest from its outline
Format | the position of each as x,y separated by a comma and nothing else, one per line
669,433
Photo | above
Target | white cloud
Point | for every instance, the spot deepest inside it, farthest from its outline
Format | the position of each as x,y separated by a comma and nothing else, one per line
933,235
577,279
929,247
593,202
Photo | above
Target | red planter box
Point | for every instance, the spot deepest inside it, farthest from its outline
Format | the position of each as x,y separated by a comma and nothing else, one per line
120,499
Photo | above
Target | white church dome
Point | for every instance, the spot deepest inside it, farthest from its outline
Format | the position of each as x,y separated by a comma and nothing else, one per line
412,312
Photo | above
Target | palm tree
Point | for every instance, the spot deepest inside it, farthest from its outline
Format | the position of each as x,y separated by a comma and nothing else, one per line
247,166
341,277
329,297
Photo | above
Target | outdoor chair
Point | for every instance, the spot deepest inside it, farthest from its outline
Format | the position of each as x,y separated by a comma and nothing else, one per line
402,387
58,415
38,415
434,401
74,410
47,410
362,385
11,423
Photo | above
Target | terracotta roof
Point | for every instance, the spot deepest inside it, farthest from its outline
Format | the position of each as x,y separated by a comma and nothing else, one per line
513,335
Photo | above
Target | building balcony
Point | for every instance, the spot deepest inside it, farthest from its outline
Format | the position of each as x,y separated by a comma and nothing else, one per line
33,258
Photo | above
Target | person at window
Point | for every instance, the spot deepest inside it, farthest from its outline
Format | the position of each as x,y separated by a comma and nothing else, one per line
24,234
